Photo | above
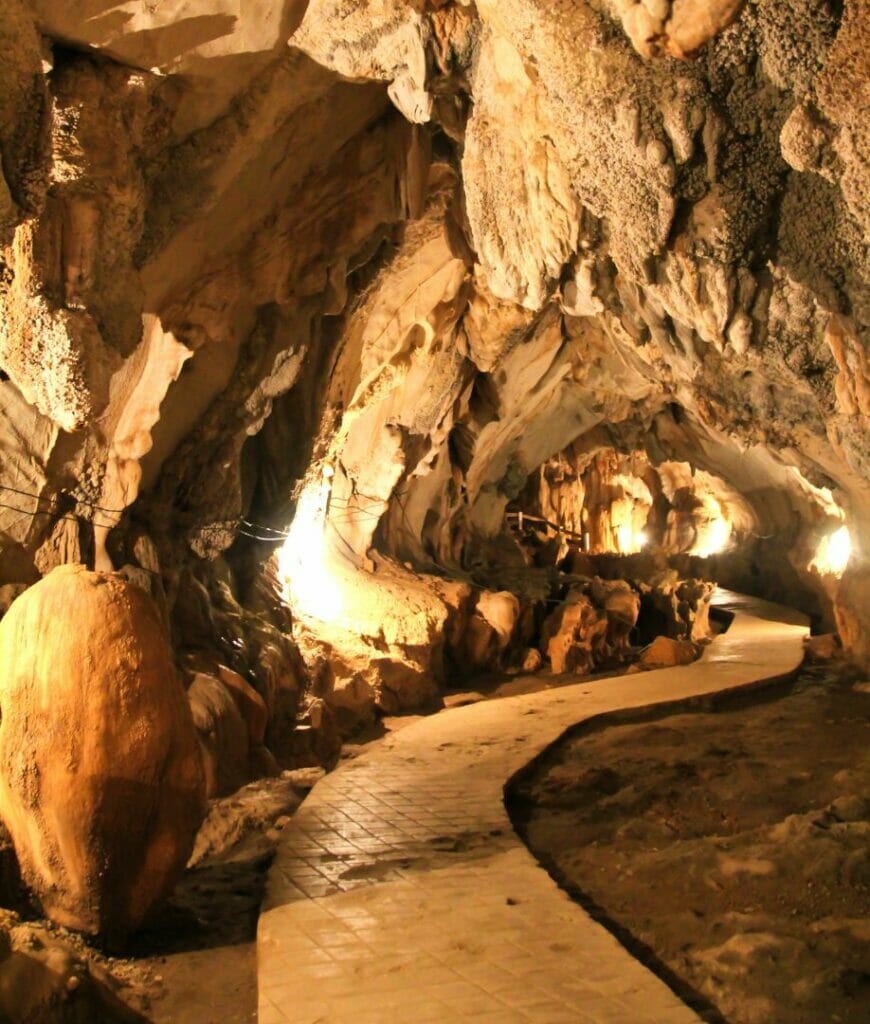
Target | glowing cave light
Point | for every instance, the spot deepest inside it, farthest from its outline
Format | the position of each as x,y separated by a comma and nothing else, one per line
713,530
310,585
628,540
713,537
833,553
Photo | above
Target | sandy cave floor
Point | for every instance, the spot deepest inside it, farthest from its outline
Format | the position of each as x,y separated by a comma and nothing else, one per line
728,848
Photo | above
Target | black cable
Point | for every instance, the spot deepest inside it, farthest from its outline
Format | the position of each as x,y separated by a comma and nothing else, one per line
349,512
59,516
352,516
49,512
78,501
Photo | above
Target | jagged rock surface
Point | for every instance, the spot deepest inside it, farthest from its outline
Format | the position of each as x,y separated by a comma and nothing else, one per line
429,248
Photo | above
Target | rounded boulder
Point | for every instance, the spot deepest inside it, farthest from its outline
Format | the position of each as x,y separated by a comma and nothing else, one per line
101,783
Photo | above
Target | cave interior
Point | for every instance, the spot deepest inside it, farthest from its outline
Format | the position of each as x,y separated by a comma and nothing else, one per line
356,356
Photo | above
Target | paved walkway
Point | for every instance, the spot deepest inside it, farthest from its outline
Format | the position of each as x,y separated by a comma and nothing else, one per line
401,895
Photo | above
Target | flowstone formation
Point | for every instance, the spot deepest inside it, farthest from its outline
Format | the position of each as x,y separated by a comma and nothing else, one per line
378,342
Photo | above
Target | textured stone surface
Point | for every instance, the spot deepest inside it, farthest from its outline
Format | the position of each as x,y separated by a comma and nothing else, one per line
223,734
102,785
431,247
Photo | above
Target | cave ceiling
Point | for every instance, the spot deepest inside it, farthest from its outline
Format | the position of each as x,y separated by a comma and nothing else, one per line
424,248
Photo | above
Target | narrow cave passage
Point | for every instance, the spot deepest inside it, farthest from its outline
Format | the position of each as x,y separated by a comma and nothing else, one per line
385,389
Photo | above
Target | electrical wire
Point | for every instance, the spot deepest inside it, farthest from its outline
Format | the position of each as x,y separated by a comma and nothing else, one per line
64,494
265,529
255,536
51,512
349,512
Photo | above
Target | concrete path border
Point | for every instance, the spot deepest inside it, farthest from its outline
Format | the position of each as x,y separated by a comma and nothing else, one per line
400,893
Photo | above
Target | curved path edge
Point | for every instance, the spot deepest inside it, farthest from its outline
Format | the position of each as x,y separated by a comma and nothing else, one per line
400,893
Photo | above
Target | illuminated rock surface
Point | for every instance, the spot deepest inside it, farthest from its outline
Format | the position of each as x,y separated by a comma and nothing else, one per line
383,342
101,786
434,246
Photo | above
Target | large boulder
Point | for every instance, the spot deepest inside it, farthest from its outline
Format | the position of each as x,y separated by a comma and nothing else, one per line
852,612
621,603
574,636
223,735
491,629
101,785
665,652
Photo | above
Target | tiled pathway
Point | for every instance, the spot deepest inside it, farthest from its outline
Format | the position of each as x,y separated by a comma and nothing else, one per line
400,893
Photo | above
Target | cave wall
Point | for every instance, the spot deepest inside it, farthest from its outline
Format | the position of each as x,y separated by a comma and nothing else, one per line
428,246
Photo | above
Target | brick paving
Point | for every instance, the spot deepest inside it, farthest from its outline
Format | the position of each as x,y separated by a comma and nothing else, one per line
400,893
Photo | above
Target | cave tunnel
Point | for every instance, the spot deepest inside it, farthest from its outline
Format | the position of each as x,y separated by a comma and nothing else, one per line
434,502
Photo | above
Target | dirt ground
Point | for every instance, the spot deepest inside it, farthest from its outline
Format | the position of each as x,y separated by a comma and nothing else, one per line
729,848
195,963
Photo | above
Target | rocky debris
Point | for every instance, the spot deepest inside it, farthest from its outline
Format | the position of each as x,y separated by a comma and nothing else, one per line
665,652
254,807
353,682
103,789
678,608
532,660
823,647
316,739
44,979
574,635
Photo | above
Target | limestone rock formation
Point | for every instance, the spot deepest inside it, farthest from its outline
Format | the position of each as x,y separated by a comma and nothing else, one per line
490,629
101,785
664,652
42,978
676,27
385,275
574,635
223,735
681,608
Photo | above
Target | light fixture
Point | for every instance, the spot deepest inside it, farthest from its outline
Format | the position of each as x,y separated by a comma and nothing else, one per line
833,553
628,540
713,531
310,584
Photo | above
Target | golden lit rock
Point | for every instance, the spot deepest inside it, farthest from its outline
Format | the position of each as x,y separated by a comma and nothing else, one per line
101,784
